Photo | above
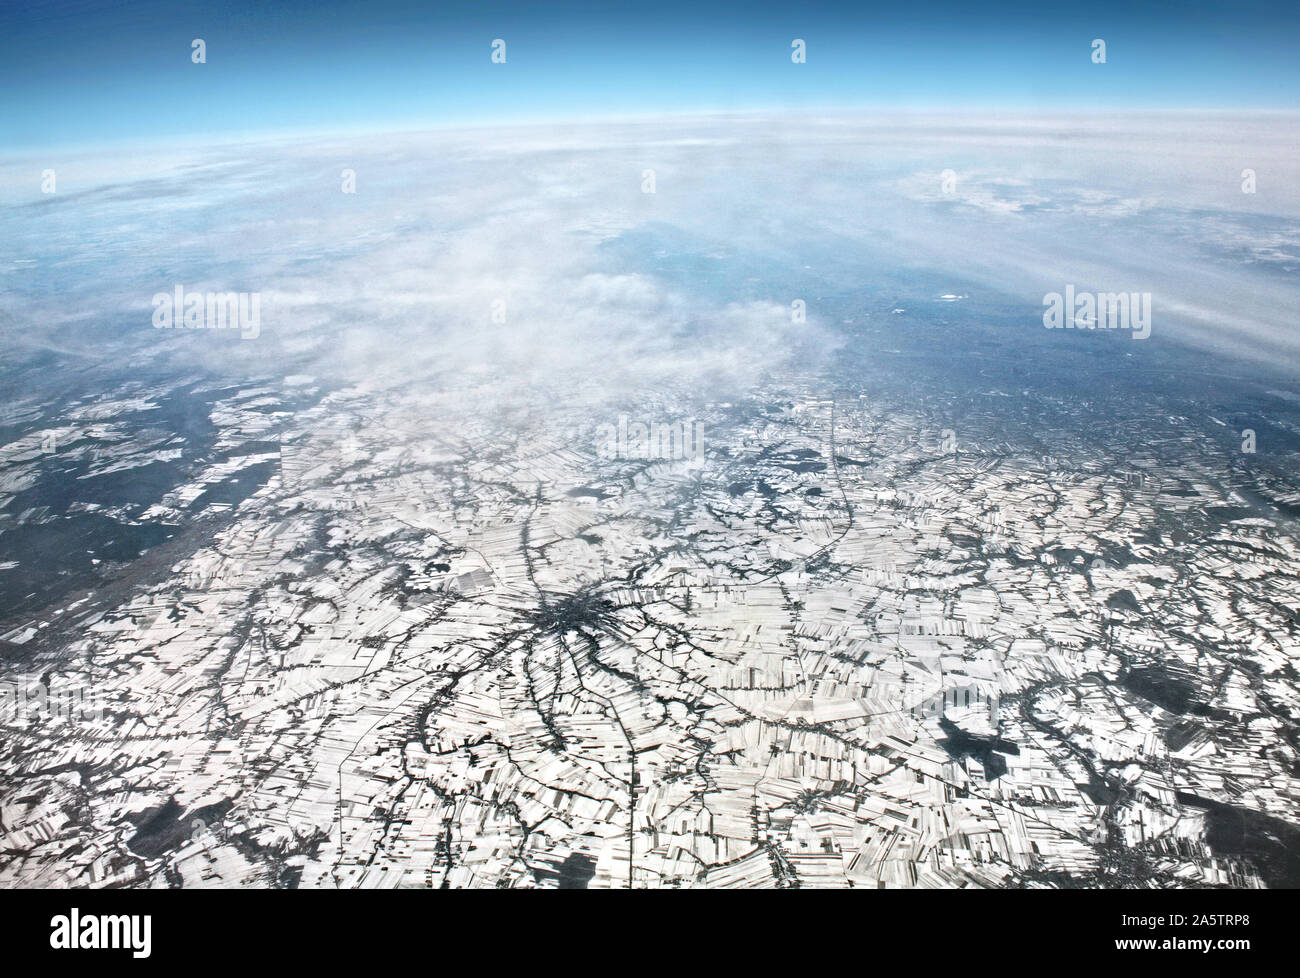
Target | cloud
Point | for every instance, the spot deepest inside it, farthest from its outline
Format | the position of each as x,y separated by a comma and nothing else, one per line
534,250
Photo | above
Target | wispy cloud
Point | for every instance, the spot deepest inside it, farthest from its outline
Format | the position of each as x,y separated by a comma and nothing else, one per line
537,250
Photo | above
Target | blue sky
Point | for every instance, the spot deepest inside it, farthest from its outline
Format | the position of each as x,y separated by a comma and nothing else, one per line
87,71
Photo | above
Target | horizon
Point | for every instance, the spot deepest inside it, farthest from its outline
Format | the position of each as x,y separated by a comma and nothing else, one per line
957,118
95,73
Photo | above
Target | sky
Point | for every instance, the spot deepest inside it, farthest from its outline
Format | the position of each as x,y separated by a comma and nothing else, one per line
85,72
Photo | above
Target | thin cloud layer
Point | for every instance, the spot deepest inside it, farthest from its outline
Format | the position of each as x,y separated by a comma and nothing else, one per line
540,252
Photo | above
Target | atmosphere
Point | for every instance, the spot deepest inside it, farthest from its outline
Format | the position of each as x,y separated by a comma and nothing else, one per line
95,71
